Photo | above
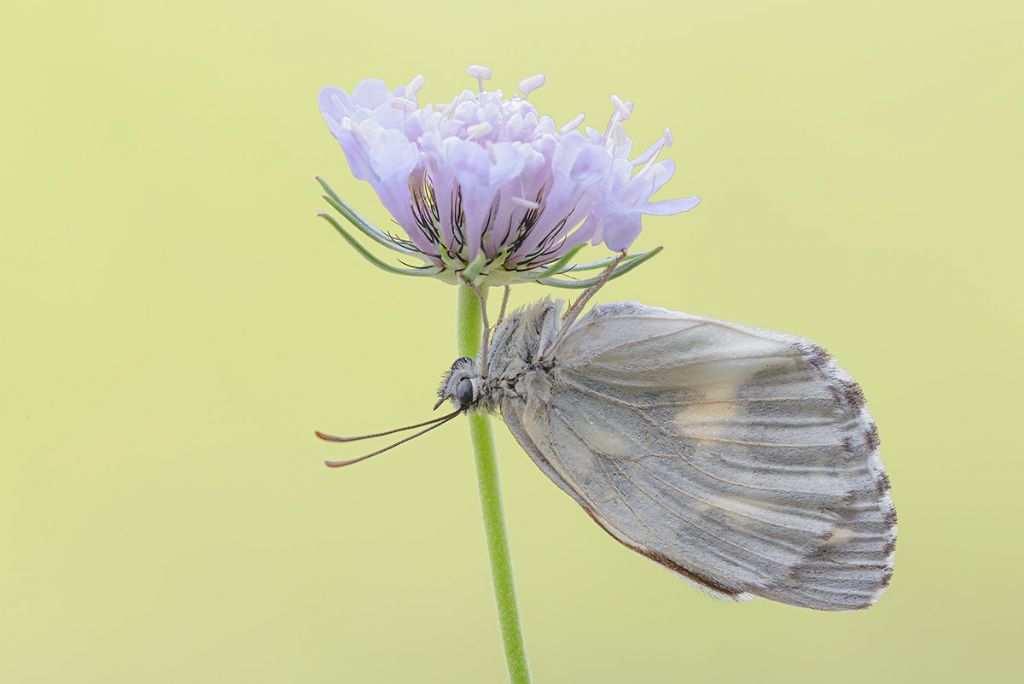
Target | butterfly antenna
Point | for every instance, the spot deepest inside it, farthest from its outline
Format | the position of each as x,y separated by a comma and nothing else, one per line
438,423
332,438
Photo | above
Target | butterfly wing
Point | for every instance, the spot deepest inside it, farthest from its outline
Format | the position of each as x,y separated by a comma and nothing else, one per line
742,459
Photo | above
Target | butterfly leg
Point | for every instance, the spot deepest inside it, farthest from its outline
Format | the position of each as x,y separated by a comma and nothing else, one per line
504,304
576,308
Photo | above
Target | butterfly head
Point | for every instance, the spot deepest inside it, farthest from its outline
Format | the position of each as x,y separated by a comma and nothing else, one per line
461,384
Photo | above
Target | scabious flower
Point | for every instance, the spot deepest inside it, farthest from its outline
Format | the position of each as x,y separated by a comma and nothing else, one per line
486,186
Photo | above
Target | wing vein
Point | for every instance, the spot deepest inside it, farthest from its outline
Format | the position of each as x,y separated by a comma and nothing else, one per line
675,514
652,338
720,538
570,374
720,507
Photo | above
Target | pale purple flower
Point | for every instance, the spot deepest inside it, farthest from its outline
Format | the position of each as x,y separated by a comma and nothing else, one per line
491,181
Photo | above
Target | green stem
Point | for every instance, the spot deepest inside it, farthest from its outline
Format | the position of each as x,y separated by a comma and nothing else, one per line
469,331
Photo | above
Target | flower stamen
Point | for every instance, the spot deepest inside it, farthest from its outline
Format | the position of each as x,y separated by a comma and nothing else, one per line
480,73
528,85
357,132
625,109
403,104
478,131
415,85
523,202
654,150
572,125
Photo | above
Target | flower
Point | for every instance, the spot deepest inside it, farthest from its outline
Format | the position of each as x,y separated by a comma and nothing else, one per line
488,186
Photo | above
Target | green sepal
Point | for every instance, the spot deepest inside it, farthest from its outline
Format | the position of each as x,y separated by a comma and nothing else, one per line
556,267
359,222
622,269
603,263
474,267
384,266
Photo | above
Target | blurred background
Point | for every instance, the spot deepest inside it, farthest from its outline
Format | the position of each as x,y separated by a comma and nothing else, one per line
176,323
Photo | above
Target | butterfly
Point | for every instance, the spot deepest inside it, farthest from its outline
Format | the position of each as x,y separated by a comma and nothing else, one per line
743,460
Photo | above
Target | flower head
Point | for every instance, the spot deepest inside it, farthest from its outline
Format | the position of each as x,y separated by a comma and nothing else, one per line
487,184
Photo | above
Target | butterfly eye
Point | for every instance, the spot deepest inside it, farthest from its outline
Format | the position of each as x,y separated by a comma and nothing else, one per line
464,393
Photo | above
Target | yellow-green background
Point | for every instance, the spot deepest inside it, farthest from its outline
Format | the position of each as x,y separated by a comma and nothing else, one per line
176,322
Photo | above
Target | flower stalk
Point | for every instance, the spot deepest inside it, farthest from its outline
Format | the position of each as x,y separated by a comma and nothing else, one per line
469,329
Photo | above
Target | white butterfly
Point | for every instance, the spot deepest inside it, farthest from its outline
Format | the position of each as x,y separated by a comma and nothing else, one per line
743,460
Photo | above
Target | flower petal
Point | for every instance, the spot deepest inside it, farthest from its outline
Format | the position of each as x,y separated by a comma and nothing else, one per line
371,93
469,161
391,154
335,105
507,162
352,142
672,206
578,159
620,231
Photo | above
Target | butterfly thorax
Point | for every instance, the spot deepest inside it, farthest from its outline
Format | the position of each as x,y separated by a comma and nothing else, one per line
520,344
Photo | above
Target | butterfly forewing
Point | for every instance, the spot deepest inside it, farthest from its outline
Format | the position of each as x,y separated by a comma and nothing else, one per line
742,459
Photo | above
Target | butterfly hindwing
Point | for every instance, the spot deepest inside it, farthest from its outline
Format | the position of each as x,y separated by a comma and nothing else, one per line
742,459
